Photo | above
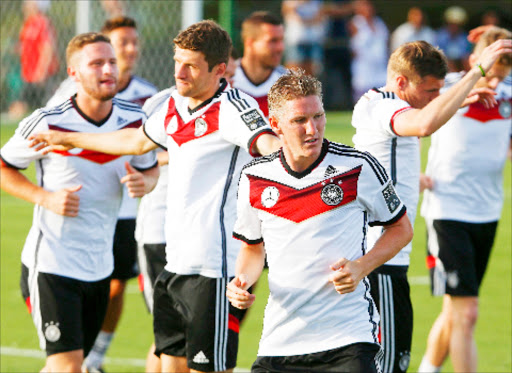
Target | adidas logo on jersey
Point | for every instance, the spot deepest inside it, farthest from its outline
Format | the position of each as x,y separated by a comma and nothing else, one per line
121,120
200,358
330,171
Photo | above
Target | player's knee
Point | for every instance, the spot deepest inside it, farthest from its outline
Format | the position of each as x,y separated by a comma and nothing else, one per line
117,288
467,315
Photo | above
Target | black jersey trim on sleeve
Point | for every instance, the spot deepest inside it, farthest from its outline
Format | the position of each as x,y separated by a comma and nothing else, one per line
141,169
246,240
397,217
31,124
253,139
149,137
348,151
10,165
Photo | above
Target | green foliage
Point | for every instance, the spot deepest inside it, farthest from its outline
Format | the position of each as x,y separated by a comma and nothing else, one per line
134,334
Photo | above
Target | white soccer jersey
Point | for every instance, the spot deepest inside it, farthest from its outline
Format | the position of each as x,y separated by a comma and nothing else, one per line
260,91
466,160
152,208
373,118
205,161
309,221
77,247
137,91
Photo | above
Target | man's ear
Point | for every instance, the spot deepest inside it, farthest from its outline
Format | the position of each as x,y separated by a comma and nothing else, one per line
401,82
72,72
220,69
274,124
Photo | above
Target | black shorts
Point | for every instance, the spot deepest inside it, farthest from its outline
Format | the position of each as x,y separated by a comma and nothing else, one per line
125,250
391,292
151,263
358,357
457,257
67,313
192,317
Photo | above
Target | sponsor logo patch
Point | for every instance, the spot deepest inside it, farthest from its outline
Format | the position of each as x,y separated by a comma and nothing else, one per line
269,196
200,358
332,194
253,119
392,200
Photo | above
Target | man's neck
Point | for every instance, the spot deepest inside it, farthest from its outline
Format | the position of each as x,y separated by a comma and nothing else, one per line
95,109
254,70
123,80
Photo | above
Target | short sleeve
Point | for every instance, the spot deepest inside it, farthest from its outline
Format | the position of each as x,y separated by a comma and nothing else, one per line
377,194
241,121
145,161
385,111
248,225
154,128
16,152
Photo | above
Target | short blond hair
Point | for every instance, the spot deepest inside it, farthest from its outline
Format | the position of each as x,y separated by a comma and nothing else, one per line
79,41
417,60
490,36
291,86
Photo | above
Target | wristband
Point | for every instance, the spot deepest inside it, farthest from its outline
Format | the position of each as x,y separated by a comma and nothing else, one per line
479,65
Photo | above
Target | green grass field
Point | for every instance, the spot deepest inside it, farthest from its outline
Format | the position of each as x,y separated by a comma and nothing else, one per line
19,346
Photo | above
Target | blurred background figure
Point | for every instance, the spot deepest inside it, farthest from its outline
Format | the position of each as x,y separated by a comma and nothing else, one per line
305,26
414,29
452,39
38,55
369,47
337,78
113,8
490,17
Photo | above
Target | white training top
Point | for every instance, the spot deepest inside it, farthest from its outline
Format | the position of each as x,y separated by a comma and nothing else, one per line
205,161
137,91
150,225
77,247
466,160
308,221
258,91
373,119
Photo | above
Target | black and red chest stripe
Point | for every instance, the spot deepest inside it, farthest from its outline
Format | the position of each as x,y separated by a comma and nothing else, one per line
298,205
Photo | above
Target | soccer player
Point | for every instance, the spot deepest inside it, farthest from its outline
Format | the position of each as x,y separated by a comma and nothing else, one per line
388,122
209,129
311,204
67,258
259,67
466,160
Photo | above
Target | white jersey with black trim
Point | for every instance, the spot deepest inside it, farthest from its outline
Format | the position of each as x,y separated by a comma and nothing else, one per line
137,91
207,148
76,247
308,221
373,118
466,160
152,207
258,91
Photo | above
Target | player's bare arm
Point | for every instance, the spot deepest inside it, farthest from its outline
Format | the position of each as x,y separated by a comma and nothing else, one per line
249,265
63,202
267,144
140,183
122,142
348,274
425,121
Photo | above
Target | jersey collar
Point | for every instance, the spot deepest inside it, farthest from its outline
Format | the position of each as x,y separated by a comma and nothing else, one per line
83,115
307,171
223,84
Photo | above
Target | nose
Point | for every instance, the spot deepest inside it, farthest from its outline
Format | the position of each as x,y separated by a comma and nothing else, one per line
310,127
110,68
179,71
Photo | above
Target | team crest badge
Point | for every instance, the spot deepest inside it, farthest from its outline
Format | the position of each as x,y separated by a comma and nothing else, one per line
200,127
52,331
332,194
505,109
269,196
